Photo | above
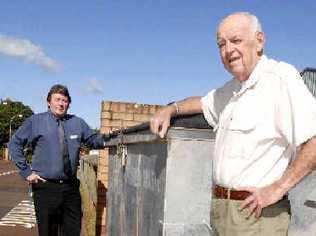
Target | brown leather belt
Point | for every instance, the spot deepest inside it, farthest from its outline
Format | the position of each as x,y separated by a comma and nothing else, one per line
225,193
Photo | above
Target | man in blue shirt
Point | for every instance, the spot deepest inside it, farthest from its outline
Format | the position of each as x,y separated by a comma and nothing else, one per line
55,138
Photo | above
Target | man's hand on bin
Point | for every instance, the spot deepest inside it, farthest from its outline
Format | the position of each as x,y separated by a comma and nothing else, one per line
160,122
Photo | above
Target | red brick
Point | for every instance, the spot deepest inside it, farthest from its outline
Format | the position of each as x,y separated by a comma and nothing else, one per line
130,107
105,130
106,106
105,122
115,106
106,115
104,166
104,153
138,109
102,179
142,117
122,107
104,170
115,123
127,123
104,162
122,116
154,109
146,109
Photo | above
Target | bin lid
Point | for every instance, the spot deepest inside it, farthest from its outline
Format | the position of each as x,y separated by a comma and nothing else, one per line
196,121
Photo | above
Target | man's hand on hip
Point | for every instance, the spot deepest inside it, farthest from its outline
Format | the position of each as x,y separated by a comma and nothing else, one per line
261,198
34,178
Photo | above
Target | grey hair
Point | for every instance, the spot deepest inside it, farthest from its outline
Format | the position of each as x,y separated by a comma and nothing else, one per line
255,24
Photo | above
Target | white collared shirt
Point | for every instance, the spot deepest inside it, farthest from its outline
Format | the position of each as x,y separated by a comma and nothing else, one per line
259,123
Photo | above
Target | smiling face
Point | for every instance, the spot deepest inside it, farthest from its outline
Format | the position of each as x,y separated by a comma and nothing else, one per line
58,104
240,45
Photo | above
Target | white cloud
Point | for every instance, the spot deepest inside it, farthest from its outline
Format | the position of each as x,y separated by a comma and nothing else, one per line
28,51
95,86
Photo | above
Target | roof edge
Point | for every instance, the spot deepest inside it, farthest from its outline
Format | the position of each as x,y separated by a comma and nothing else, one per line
308,69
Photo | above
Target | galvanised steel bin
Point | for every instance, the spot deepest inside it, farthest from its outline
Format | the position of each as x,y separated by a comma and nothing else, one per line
161,187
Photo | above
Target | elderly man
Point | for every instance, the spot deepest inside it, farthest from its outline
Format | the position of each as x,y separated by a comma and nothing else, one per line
265,123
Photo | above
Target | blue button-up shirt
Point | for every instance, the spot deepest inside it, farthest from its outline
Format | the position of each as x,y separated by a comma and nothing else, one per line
41,132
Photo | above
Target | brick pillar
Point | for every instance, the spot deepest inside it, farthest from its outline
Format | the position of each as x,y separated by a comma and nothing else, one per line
114,116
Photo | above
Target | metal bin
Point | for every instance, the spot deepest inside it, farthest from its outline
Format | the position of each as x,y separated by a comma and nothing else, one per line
161,187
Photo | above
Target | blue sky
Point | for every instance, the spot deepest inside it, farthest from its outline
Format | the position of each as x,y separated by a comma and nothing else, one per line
144,51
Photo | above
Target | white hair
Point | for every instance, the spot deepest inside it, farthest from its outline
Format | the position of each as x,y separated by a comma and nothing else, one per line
254,22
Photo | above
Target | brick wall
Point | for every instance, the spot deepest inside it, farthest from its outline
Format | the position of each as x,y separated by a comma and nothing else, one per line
114,116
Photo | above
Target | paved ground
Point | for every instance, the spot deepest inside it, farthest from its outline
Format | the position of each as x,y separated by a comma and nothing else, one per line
16,207
14,197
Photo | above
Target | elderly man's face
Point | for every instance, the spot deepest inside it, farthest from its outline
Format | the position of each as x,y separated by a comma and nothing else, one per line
239,46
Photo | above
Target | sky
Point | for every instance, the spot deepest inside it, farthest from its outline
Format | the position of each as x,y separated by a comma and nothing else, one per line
142,51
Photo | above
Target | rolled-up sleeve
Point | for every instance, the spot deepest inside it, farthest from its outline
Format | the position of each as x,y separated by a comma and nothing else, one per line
296,109
208,108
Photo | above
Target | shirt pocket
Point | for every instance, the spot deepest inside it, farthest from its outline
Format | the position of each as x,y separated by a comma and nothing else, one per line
241,136
243,124
74,140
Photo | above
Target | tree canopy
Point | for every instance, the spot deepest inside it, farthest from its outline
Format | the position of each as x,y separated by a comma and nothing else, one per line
13,112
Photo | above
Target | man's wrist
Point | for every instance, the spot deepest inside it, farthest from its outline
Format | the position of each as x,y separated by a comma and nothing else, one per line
173,108
282,187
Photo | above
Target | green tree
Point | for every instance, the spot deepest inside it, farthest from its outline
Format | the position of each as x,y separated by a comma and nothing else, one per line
14,113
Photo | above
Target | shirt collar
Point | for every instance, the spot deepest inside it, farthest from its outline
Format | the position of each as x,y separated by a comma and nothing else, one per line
66,117
254,76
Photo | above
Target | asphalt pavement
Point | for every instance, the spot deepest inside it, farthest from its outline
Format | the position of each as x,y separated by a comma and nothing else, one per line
14,195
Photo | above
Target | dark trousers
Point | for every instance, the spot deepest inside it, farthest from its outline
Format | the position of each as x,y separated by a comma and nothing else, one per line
57,208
